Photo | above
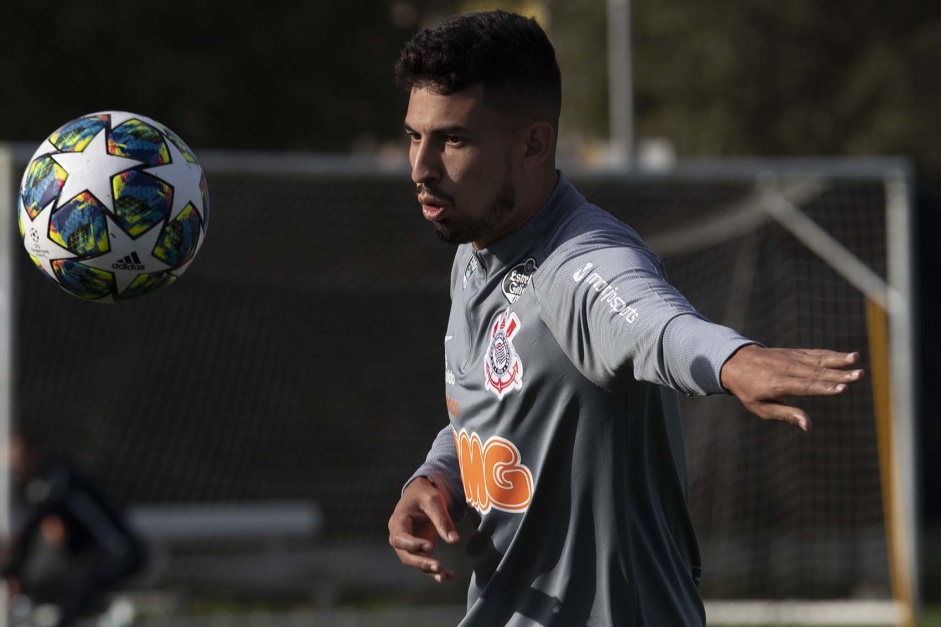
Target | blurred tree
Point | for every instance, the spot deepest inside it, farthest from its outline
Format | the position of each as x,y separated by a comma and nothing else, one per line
724,78
789,78
578,29
734,78
259,75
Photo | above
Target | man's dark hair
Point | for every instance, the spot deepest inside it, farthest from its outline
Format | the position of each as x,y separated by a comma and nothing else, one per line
508,53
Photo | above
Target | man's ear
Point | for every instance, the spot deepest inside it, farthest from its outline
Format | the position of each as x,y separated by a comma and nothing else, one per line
540,144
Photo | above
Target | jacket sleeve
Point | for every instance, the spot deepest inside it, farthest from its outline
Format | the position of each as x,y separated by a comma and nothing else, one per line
606,299
442,468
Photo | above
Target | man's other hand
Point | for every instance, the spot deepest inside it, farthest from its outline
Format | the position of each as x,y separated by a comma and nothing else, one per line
420,518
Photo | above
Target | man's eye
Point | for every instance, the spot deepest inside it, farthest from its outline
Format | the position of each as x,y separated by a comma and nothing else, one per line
454,140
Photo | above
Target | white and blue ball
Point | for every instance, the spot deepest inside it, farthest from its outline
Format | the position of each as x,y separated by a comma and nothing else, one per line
112,206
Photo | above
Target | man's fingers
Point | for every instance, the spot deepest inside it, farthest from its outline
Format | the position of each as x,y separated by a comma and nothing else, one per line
409,543
423,562
825,358
783,413
428,565
827,375
438,515
830,367
803,386
445,576
447,531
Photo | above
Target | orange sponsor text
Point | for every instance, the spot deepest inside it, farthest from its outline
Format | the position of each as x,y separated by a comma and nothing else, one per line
493,473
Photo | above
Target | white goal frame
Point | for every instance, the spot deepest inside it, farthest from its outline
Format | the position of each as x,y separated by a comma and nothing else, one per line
8,244
781,185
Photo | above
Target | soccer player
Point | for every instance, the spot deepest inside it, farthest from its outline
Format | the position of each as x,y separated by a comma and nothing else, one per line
564,351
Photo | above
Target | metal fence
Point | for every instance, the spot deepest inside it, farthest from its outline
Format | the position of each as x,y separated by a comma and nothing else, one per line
298,359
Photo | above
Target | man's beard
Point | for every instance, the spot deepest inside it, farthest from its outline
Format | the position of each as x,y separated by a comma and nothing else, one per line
461,228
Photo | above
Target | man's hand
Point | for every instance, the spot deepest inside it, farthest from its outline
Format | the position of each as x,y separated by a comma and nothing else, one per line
763,378
420,517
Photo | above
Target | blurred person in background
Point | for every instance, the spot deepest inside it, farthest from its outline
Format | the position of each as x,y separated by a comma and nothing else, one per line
72,545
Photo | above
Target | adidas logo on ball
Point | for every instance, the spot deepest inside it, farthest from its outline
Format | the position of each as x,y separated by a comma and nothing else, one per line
130,262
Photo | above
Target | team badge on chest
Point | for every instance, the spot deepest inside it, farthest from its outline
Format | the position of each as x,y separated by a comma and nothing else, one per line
517,279
503,370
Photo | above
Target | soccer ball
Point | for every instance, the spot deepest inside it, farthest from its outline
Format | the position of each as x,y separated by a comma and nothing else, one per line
113,205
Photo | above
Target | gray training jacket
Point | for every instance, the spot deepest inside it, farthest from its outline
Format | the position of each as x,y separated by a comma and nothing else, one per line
563,348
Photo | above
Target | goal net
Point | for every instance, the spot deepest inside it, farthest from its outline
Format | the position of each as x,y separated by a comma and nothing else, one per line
298,361
798,255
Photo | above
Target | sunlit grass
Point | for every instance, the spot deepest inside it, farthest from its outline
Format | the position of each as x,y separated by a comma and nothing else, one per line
930,617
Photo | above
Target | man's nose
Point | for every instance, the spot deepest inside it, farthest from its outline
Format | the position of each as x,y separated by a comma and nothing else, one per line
426,164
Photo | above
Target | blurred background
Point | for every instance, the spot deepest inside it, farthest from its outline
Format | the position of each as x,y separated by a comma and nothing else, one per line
271,378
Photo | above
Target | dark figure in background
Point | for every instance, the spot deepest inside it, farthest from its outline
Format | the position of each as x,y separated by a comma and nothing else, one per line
73,545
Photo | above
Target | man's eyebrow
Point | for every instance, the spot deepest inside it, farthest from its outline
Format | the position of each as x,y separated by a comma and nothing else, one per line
444,130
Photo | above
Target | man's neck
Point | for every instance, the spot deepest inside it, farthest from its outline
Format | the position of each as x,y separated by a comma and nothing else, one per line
525,210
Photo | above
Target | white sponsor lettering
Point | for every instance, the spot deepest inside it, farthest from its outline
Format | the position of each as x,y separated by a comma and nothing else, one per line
609,293
582,272
448,374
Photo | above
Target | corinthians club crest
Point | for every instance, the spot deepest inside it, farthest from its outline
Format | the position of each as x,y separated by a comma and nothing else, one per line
503,370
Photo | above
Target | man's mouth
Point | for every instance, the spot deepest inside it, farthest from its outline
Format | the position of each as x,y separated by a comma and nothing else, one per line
431,208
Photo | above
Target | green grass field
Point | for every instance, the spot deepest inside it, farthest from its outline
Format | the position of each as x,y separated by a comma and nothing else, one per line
931,617
238,615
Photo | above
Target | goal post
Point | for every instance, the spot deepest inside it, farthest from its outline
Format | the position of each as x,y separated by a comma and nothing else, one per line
7,365
883,282
892,395
891,378
900,308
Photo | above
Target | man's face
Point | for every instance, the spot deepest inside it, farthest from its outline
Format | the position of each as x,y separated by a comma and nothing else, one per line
461,155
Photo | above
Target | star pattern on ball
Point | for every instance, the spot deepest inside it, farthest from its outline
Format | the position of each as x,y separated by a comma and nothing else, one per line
120,117
185,176
121,246
45,148
97,167
41,226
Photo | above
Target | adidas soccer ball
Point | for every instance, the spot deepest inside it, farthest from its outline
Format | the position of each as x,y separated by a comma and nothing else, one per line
112,206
